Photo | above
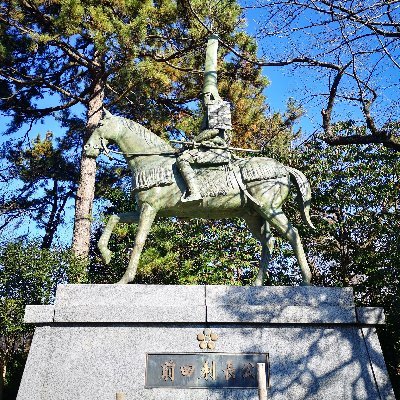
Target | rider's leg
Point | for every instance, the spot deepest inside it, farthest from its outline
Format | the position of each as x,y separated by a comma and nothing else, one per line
189,176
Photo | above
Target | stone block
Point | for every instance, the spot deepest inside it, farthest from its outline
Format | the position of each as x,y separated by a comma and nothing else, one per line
129,295
97,343
129,303
378,372
370,315
95,362
36,314
132,314
281,314
312,296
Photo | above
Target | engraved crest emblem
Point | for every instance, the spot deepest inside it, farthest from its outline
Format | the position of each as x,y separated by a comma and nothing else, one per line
207,339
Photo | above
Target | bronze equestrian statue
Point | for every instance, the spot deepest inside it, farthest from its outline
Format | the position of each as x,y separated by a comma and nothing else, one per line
202,182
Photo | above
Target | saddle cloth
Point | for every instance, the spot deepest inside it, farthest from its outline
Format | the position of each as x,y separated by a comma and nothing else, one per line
214,179
261,168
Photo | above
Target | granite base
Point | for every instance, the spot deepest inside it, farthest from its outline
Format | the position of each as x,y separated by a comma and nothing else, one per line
93,342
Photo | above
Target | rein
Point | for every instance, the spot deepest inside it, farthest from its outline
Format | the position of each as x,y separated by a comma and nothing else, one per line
107,152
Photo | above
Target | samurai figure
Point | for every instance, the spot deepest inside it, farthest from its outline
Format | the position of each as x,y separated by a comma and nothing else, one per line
211,144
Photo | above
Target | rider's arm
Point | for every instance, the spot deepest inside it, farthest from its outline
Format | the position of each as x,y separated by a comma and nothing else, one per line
207,134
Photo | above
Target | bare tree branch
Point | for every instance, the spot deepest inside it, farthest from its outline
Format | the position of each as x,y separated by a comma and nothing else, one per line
358,40
327,112
389,142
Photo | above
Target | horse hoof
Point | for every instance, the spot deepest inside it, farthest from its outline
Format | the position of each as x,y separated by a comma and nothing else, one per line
106,256
191,198
125,279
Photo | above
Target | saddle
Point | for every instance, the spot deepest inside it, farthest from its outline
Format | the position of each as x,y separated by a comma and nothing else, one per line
211,156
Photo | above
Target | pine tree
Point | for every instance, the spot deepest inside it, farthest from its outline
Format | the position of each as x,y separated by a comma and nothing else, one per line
77,51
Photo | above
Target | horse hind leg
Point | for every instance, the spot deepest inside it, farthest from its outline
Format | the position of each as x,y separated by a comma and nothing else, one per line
147,215
260,230
279,220
130,217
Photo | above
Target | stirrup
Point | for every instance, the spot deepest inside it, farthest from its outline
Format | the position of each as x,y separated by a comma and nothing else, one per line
191,197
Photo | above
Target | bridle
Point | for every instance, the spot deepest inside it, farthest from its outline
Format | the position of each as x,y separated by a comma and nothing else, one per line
107,151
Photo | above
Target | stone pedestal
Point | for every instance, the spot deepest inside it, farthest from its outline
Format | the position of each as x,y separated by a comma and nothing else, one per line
93,343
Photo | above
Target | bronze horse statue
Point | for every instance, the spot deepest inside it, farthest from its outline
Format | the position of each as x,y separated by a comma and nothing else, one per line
253,189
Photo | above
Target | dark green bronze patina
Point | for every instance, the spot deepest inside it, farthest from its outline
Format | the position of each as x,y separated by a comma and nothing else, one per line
204,181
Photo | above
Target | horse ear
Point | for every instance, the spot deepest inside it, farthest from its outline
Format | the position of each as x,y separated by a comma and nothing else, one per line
106,113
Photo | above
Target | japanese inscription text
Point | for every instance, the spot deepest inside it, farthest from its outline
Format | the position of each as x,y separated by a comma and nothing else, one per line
204,370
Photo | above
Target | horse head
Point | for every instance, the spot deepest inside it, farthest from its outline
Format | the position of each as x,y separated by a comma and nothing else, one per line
100,136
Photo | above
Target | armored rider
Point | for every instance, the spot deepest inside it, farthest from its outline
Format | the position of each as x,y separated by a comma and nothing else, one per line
211,144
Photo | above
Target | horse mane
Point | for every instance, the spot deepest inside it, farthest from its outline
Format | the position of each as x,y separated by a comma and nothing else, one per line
147,135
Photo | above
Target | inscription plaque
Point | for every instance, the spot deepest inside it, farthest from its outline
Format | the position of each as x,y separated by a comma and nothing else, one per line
204,370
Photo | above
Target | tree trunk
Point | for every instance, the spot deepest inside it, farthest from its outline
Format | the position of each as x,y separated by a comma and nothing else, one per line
85,192
50,228
2,379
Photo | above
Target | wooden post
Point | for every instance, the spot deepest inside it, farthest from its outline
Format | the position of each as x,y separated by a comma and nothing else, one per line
120,396
262,382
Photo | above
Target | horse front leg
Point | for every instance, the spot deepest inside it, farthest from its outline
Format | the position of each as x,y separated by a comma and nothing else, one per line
146,218
128,218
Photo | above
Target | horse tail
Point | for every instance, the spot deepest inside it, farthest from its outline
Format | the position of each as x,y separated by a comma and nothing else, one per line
304,194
